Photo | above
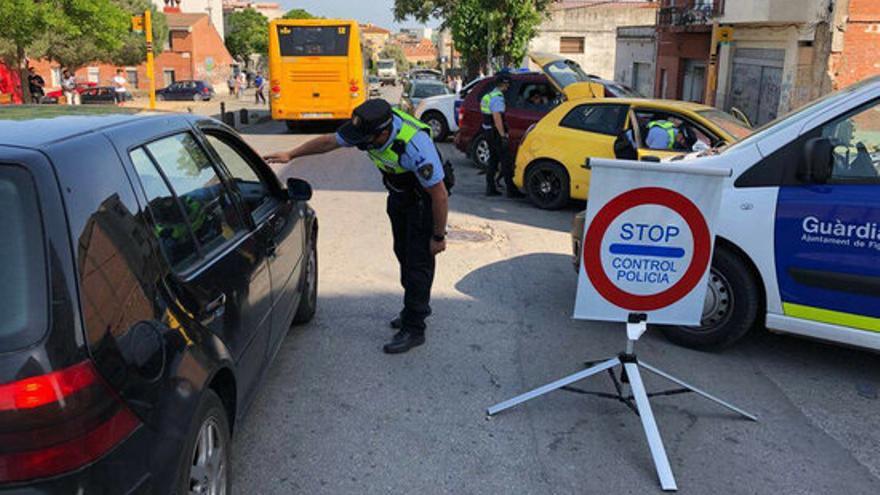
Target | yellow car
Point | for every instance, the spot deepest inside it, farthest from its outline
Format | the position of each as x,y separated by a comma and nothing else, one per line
550,161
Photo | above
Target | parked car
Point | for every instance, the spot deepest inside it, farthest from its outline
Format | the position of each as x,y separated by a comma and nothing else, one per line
415,74
441,112
375,85
58,94
186,91
550,162
101,95
561,79
152,265
417,90
796,245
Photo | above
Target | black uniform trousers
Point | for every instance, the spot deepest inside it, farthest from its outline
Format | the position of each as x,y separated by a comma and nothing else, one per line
499,156
412,224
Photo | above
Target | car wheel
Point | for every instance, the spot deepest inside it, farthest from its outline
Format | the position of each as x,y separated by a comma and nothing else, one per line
731,308
197,97
547,185
439,128
481,152
160,97
308,303
205,460
292,125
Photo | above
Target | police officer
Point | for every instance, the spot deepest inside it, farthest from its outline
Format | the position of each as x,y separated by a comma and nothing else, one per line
492,107
402,149
664,134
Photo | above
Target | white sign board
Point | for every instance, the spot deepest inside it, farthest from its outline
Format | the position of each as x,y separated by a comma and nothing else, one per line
648,240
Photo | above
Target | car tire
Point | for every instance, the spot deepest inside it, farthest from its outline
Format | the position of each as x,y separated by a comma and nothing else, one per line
160,97
292,125
197,97
480,152
209,422
439,127
733,302
308,303
547,185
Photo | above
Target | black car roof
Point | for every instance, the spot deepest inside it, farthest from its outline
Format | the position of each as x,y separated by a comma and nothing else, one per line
36,125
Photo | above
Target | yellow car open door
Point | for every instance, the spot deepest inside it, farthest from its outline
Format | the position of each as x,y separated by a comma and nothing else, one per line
567,76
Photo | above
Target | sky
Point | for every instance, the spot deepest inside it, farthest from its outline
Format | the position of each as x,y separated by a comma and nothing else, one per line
376,11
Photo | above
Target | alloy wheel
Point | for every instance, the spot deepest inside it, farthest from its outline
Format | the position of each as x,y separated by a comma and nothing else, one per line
208,468
482,153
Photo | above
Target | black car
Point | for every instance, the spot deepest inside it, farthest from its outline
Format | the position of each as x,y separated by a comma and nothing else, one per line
186,91
101,95
151,266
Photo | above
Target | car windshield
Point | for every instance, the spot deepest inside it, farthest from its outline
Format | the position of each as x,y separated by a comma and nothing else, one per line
428,90
23,314
728,123
385,64
565,72
621,91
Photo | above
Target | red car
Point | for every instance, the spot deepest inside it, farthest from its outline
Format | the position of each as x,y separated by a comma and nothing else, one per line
58,94
531,96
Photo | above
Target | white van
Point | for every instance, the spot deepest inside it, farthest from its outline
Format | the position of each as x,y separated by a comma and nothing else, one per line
798,238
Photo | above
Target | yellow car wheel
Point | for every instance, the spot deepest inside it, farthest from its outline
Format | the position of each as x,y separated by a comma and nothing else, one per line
547,185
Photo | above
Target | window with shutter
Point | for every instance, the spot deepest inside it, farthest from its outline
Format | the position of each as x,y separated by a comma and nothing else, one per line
571,44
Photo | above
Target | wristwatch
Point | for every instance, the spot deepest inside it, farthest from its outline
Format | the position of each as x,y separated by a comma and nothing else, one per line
439,238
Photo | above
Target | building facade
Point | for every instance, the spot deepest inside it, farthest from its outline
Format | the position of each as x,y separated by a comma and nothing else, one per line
270,10
213,8
586,31
634,58
684,36
375,37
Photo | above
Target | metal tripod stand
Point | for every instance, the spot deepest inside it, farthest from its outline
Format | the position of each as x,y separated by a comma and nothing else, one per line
629,374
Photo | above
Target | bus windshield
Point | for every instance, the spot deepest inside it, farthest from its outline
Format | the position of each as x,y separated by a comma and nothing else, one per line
313,41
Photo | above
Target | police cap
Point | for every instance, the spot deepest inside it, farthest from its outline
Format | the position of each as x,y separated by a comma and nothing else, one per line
368,119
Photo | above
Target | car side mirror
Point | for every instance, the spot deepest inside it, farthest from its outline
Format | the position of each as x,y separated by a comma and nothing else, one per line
299,190
818,163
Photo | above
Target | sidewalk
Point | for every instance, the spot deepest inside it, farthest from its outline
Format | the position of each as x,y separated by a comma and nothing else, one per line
257,113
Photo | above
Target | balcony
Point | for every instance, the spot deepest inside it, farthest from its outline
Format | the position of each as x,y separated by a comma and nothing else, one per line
684,14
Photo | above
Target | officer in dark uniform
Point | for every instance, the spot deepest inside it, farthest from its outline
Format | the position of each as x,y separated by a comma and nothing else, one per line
493,107
402,149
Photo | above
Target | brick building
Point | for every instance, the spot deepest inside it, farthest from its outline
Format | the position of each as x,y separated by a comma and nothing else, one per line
422,52
684,37
375,37
194,50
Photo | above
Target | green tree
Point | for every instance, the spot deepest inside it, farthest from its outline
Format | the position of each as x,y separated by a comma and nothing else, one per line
505,26
134,45
299,14
395,52
247,34
21,23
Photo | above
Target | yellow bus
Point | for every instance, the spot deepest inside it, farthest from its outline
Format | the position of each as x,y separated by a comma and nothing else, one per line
316,69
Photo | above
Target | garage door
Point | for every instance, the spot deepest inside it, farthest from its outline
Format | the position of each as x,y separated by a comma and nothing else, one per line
756,82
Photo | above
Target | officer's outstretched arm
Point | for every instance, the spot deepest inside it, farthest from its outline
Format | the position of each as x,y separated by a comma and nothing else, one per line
315,146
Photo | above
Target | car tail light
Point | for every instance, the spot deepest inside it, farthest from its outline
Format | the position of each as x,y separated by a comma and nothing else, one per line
58,422
461,114
206,90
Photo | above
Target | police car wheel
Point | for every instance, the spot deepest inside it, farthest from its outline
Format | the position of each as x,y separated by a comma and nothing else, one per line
308,303
547,185
481,152
439,129
731,308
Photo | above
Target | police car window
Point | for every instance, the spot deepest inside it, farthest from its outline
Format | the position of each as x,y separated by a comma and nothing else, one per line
603,119
169,224
856,141
203,197
253,190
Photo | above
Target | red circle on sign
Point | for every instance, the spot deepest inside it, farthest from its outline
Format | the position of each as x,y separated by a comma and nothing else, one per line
626,201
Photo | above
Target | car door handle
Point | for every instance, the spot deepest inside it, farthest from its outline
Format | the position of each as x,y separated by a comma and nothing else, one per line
214,309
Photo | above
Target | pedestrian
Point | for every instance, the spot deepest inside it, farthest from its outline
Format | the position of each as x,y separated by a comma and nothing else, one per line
259,86
68,86
665,134
36,84
402,149
457,84
241,83
493,107
119,88
230,83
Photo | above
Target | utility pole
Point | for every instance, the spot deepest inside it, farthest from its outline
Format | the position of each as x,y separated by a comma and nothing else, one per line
151,76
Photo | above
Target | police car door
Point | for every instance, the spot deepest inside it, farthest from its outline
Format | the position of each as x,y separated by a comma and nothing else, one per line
827,235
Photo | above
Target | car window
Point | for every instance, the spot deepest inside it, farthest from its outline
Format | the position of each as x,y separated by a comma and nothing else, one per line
540,97
22,262
252,188
428,90
169,224
689,136
603,119
203,197
856,141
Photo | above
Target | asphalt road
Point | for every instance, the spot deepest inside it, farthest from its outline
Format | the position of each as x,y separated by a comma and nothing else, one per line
337,416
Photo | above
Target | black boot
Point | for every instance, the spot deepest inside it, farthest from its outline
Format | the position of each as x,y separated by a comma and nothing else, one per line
512,191
403,341
396,323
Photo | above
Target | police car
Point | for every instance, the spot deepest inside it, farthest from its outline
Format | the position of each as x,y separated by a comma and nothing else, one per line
798,235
